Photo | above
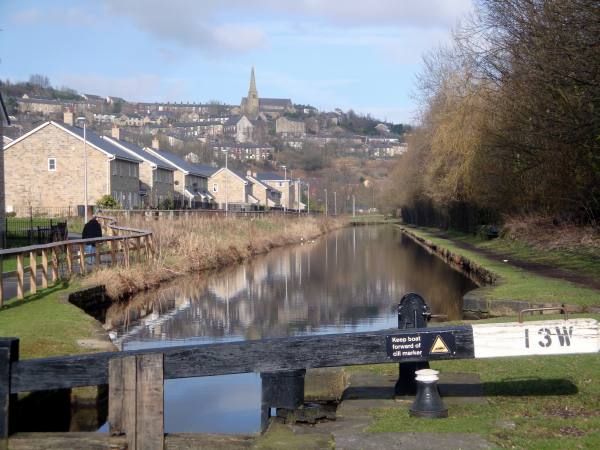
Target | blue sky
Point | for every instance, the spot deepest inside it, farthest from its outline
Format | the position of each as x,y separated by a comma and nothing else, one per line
359,54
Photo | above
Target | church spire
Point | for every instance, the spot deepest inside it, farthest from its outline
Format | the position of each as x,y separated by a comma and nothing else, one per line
252,89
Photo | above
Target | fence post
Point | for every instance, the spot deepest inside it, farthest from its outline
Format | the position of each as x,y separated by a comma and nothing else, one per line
82,268
413,312
9,353
32,272
1,281
113,255
98,255
20,275
136,400
54,265
69,260
44,268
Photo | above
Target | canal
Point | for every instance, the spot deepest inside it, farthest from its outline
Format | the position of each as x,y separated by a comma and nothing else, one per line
348,281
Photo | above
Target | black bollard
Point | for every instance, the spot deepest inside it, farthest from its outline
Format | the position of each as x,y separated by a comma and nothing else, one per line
428,403
413,312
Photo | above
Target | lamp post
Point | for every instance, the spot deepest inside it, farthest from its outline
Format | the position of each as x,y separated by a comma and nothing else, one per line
326,203
298,190
85,171
335,203
226,186
287,197
353,206
308,199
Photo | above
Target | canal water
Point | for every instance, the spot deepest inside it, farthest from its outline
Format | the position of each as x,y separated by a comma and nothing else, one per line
348,281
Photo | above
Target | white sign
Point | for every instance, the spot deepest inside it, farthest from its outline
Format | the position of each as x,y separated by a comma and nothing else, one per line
548,337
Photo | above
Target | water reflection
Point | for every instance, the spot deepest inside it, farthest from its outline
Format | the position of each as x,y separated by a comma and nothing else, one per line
348,281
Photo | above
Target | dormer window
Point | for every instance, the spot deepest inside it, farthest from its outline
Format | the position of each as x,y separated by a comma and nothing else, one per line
52,164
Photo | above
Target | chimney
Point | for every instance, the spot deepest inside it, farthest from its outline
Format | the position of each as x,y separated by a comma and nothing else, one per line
155,144
68,117
254,174
115,132
249,173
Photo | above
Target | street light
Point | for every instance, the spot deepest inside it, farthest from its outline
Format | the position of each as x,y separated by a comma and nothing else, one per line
287,197
335,203
226,186
326,203
85,170
308,199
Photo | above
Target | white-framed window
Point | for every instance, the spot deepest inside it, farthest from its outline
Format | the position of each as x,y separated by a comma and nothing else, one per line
215,187
52,164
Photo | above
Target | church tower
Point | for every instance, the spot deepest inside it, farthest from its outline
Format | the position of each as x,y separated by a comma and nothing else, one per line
250,103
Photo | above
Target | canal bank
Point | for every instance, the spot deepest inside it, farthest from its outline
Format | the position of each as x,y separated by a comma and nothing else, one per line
505,288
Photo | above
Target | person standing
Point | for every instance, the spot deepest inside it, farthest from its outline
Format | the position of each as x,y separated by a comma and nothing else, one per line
92,229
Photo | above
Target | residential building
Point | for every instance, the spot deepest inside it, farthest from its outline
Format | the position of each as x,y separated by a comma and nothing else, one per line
245,152
3,119
42,106
282,184
46,168
232,190
156,176
190,180
290,128
267,196
239,128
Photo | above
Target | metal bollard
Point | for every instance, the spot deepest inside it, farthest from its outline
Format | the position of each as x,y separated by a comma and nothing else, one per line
428,403
413,312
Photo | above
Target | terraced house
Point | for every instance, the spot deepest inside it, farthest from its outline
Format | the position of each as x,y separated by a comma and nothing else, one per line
46,168
190,180
156,175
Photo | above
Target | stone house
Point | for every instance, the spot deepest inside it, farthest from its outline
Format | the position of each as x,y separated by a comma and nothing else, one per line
3,119
190,180
45,168
232,189
290,128
239,128
267,196
283,185
156,175
42,106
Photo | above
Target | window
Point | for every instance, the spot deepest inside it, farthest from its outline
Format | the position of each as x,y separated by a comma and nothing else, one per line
52,164
215,187
280,184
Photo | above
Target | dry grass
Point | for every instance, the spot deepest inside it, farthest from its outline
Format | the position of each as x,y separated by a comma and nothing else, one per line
544,232
197,244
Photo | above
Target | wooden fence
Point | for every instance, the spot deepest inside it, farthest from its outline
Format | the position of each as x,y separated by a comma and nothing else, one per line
136,378
122,244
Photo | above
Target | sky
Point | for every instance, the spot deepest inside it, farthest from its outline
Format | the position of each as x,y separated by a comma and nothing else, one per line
349,54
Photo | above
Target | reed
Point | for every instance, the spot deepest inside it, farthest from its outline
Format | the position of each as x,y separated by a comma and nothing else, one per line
195,244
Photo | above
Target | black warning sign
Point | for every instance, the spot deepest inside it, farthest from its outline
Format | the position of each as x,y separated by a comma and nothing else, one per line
421,345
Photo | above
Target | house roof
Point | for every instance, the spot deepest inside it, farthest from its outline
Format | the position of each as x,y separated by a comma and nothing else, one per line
274,102
140,153
183,165
97,141
48,101
269,176
91,138
239,175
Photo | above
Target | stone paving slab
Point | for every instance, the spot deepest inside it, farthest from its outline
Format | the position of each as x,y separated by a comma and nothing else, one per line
410,441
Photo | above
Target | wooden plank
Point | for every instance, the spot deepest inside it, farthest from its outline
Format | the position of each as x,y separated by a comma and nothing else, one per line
32,272
122,399
268,355
44,268
138,249
97,257
9,353
150,402
20,275
125,244
82,267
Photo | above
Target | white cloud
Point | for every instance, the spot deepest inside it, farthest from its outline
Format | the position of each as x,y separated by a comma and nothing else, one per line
27,16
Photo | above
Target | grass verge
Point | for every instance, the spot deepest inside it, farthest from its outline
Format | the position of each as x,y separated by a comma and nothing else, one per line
537,402
515,283
47,324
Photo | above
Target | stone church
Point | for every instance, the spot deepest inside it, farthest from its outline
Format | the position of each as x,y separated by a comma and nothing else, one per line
252,105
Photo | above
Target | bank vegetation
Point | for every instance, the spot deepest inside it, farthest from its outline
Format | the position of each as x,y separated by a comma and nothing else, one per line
197,243
509,121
